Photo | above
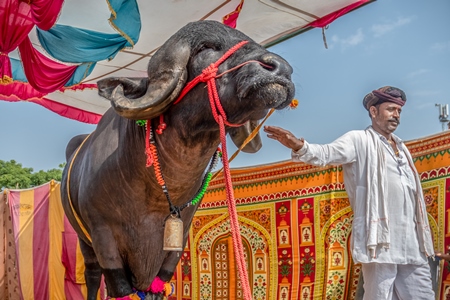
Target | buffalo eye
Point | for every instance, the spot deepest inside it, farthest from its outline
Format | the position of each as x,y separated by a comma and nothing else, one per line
205,47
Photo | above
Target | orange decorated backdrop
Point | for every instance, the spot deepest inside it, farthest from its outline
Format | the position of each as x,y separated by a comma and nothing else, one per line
295,224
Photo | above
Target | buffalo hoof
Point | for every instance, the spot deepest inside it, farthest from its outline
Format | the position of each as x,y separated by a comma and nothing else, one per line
151,296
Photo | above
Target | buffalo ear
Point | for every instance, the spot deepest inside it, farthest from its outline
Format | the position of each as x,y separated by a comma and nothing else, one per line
147,98
239,135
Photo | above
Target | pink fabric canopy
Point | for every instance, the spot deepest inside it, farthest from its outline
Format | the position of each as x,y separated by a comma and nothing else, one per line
17,18
15,24
50,82
44,74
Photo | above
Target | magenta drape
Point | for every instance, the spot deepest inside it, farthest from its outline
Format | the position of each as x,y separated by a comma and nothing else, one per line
231,18
15,24
17,90
325,20
17,18
45,12
44,74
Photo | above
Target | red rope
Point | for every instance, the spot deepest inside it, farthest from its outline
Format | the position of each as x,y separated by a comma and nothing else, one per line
234,222
209,75
220,117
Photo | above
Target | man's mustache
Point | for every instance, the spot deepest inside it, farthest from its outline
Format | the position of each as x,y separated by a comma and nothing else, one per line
395,120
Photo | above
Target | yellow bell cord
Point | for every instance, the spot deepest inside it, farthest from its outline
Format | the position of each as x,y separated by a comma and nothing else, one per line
247,140
86,234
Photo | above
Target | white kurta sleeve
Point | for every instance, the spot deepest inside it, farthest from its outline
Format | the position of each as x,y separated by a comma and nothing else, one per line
339,152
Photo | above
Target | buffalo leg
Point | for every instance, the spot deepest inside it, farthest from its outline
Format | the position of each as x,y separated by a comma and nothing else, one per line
118,281
92,272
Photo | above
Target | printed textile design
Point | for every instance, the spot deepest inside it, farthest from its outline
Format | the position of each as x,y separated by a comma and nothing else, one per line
296,225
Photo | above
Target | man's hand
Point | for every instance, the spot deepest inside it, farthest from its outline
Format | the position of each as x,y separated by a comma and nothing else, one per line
442,255
285,137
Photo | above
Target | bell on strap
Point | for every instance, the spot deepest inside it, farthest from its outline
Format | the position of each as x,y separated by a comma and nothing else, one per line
173,234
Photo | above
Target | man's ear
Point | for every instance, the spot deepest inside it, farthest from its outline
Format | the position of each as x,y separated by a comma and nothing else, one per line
373,111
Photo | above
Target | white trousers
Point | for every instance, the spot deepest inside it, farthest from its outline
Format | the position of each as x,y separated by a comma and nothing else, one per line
397,282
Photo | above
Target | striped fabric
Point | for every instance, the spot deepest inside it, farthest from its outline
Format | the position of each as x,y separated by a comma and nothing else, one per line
49,263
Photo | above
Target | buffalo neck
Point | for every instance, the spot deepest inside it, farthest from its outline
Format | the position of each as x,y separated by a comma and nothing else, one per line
183,161
181,149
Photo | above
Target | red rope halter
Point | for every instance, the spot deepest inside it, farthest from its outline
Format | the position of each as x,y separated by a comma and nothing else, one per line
209,75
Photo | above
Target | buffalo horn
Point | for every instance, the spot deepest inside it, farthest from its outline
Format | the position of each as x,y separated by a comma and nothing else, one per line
167,76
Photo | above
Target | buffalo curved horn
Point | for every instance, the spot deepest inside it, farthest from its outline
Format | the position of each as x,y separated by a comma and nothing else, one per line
146,98
131,86
239,135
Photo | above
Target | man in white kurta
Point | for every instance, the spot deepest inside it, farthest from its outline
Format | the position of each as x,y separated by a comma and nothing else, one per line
390,235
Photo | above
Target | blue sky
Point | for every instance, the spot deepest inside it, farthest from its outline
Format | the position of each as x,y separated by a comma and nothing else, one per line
402,43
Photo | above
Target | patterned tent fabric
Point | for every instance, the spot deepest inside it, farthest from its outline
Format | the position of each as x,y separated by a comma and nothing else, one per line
295,224
59,68
41,254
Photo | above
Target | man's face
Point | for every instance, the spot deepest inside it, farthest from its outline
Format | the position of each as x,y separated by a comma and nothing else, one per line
385,117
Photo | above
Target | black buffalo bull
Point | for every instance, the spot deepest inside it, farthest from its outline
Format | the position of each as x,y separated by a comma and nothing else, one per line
114,201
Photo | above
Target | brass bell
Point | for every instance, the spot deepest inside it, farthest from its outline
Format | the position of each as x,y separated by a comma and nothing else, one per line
173,234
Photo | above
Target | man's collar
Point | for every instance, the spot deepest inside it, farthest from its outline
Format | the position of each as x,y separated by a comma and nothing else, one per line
382,137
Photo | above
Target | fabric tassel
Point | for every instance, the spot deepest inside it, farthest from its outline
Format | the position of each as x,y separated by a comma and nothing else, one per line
157,286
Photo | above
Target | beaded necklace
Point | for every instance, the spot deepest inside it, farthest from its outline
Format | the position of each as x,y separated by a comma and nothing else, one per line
394,147
176,210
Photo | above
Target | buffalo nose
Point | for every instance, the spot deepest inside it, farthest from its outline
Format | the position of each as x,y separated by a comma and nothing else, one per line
277,64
